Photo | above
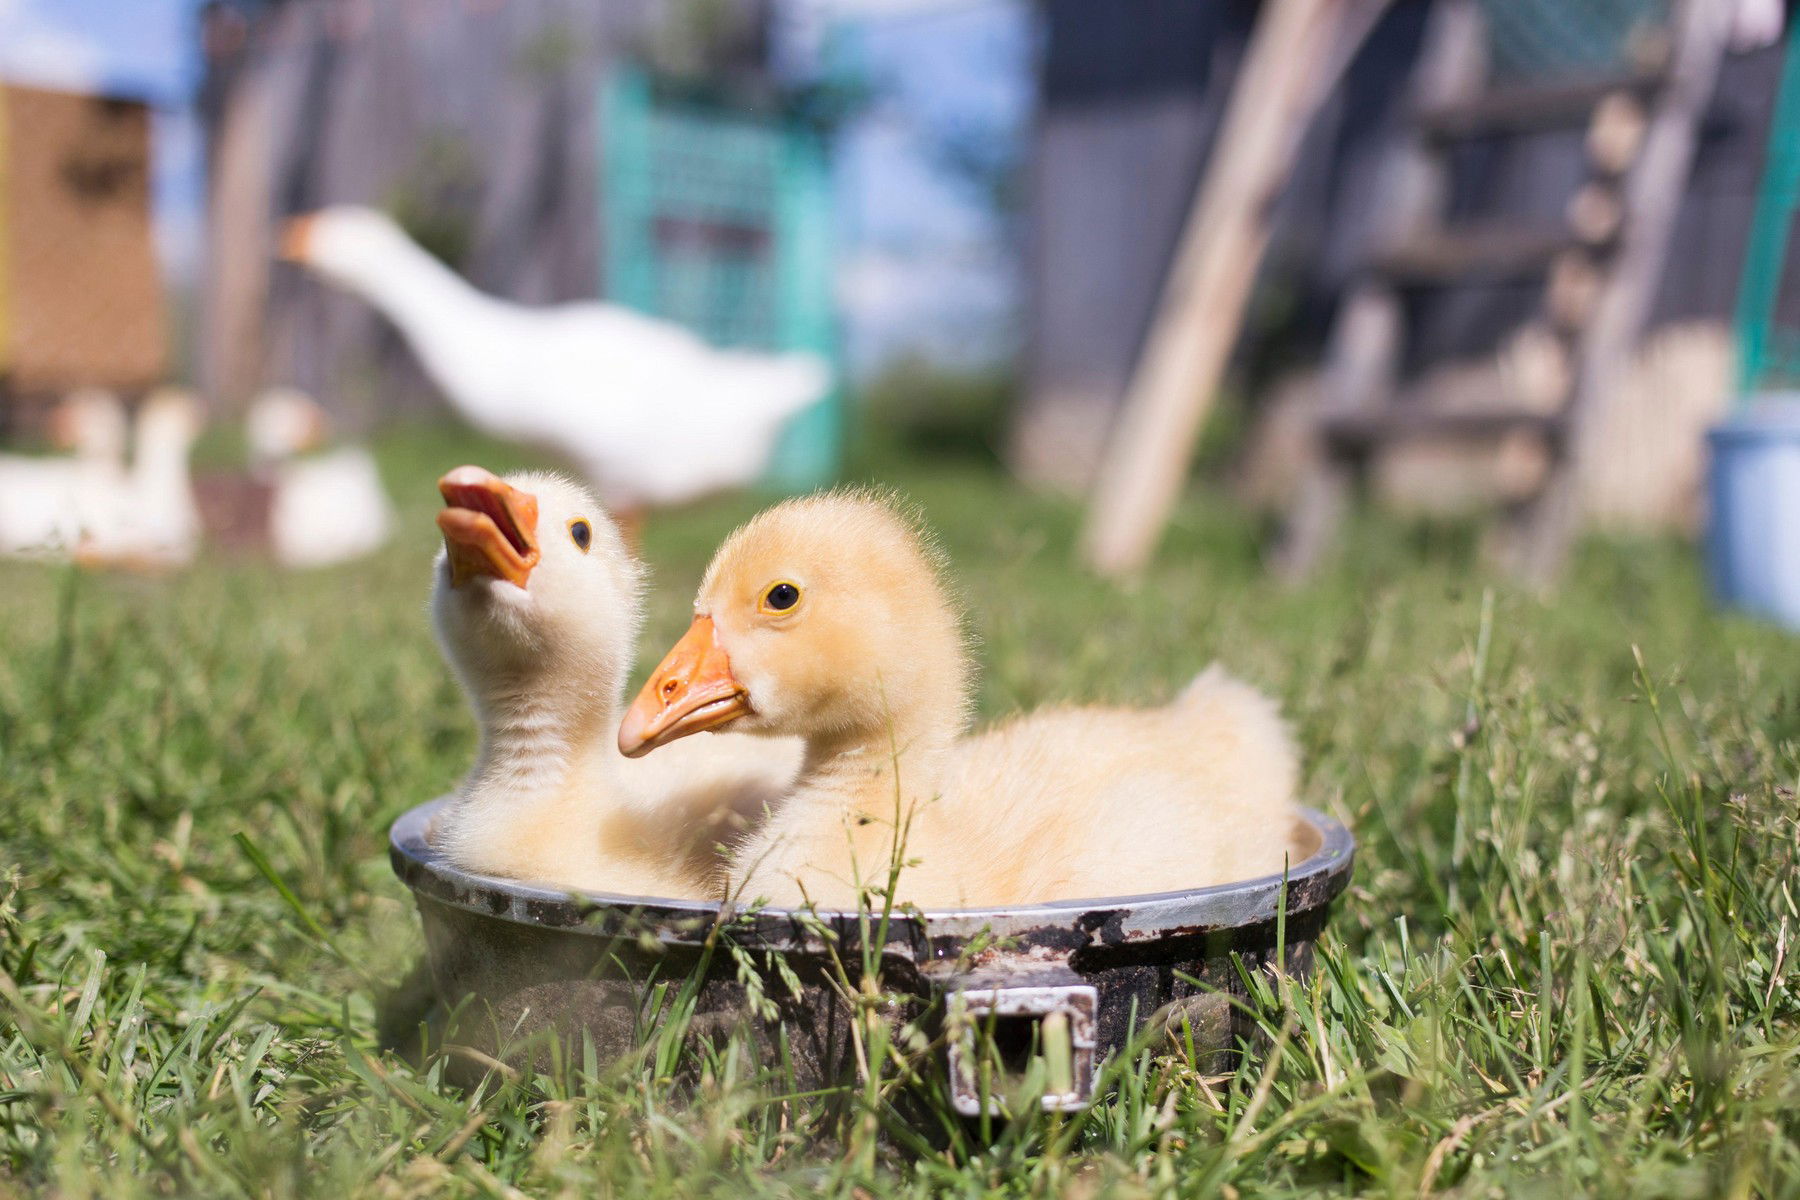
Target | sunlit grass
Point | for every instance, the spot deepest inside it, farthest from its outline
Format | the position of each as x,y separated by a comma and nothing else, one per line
1565,961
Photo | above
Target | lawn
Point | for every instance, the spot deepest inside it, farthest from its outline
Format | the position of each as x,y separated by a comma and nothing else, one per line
1565,962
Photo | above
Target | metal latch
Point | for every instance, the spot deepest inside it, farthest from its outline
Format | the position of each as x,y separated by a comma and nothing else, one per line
1013,1033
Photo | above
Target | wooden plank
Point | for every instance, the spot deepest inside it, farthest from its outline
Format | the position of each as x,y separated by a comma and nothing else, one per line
1283,82
1531,108
1653,193
239,233
1360,433
1473,253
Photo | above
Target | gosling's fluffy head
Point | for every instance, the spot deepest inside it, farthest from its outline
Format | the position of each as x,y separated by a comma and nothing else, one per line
825,617
534,583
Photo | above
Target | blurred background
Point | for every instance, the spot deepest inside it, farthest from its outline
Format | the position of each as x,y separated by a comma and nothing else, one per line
1504,260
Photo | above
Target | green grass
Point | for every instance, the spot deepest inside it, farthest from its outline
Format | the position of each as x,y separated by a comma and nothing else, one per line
1565,962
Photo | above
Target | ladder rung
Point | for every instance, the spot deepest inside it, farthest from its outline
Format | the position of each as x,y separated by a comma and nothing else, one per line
1527,108
1357,433
1489,254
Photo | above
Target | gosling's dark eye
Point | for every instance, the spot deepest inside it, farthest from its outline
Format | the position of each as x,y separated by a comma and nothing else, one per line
781,597
581,533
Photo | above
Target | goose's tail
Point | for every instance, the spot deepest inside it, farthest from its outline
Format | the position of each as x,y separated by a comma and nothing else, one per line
776,386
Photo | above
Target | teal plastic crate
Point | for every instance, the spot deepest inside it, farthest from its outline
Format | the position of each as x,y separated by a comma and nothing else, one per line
720,219
1543,39
1768,351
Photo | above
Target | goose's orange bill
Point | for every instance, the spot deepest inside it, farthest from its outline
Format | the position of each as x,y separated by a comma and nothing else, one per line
296,238
489,527
691,689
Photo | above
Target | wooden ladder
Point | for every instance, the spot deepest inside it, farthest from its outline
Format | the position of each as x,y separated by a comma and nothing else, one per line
1599,269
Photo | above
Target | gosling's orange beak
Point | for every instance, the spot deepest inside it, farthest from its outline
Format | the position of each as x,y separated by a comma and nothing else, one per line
489,527
690,690
296,237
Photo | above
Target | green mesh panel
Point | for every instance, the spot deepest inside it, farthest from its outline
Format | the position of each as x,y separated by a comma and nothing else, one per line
720,220
1541,39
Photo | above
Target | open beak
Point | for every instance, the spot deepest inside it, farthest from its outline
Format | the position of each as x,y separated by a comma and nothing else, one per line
690,690
296,238
489,527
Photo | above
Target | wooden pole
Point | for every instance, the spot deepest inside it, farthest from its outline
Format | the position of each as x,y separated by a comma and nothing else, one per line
234,301
1286,74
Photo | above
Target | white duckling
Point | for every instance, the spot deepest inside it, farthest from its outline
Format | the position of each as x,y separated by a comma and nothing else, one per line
48,505
826,618
645,411
325,507
536,605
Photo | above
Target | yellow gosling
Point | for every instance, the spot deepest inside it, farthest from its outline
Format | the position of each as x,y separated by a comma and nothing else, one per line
827,618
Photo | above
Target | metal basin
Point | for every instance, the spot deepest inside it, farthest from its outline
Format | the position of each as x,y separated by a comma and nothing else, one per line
1067,981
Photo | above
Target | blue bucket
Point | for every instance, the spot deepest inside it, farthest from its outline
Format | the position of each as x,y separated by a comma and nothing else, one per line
1753,534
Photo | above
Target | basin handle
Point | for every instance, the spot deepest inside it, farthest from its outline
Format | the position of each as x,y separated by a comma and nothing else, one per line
1052,1013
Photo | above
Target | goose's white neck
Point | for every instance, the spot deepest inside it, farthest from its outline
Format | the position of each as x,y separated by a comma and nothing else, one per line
452,327
162,516
161,459
102,446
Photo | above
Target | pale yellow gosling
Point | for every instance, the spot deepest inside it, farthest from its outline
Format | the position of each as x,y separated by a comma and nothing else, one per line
826,618
536,604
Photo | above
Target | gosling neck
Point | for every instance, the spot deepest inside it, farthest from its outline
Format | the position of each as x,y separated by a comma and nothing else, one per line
538,741
102,441
161,461
864,769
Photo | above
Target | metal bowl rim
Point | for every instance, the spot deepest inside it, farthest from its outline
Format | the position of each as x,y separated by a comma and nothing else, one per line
1225,905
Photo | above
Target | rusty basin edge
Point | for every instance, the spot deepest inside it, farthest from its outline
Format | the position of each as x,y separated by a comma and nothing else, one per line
930,934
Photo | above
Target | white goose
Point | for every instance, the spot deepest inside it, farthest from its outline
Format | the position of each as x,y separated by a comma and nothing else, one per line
325,507
48,505
648,413
152,521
